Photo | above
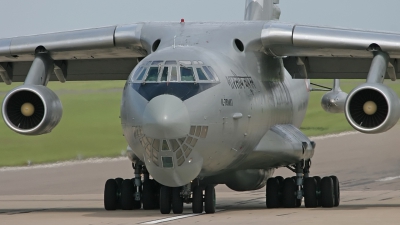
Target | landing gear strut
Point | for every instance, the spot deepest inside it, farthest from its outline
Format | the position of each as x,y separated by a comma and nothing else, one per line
288,193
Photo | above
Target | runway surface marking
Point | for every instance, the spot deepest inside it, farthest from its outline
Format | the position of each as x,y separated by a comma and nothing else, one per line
64,163
388,179
178,217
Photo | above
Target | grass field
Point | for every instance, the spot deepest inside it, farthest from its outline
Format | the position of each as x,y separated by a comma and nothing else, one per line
90,126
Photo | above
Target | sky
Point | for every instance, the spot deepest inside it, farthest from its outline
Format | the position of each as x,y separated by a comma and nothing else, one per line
24,17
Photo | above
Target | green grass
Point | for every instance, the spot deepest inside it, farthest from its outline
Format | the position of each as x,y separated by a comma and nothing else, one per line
90,126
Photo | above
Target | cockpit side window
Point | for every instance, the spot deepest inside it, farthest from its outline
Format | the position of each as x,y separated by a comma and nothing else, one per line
187,74
152,75
164,75
209,73
137,73
141,74
201,74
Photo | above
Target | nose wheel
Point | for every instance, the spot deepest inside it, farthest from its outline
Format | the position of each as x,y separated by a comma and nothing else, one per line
135,193
290,192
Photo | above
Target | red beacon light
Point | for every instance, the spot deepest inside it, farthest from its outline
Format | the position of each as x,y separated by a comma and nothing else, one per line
182,20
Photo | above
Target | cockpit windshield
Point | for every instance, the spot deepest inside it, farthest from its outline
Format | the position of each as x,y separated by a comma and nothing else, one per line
183,71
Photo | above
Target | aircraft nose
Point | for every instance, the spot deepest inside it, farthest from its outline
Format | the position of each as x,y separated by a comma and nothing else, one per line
166,117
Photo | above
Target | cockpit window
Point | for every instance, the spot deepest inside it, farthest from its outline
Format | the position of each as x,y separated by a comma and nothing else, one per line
198,63
139,74
201,74
170,63
209,73
164,75
156,63
152,75
174,71
185,62
174,74
187,74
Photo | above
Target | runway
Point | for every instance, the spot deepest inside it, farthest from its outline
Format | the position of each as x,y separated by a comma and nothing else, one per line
368,167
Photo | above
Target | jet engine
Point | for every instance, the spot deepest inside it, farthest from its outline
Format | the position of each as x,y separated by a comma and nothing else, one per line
31,110
372,108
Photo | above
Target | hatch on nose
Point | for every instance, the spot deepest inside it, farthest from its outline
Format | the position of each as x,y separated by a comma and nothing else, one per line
166,117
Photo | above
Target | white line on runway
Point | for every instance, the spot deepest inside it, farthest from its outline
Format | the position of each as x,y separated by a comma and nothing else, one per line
177,218
62,164
388,179
334,135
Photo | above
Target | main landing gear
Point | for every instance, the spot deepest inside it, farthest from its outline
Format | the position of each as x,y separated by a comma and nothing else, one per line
289,192
134,193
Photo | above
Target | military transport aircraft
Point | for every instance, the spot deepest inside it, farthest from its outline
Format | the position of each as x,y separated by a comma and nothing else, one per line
209,103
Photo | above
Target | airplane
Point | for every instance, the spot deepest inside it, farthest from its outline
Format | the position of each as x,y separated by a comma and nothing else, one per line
208,103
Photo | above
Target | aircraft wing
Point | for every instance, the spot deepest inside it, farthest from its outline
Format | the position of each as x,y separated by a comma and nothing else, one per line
329,53
107,53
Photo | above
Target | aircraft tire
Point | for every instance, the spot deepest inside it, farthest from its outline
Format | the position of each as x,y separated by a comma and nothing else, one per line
165,200
209,199
110,195
327,193
280,179
298,203
289,193
310,193
318,180
119,181
127,195
197,204
148,196
336,190
156,193
177,200
273,189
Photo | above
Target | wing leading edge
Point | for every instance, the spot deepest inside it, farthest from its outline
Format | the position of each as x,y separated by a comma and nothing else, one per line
329,53
106,53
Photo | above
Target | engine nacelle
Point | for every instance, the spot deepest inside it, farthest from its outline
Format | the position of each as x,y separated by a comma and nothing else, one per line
32,110
334,101
372,108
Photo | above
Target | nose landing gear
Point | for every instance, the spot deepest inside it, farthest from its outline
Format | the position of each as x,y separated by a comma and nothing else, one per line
136,193
289,193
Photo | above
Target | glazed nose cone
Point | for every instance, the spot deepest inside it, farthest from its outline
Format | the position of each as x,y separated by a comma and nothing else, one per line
166,117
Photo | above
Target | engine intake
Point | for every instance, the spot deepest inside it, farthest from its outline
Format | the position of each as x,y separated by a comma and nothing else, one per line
32,110
372,108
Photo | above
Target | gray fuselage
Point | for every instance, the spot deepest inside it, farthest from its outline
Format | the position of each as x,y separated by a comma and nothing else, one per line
183,127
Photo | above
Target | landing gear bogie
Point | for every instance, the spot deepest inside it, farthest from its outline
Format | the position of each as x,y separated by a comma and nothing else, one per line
315,191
